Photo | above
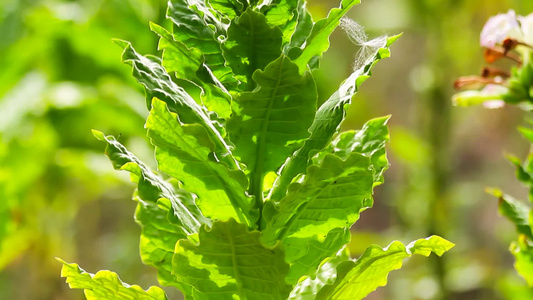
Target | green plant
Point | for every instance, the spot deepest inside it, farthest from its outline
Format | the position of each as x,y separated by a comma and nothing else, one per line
257,188
508,36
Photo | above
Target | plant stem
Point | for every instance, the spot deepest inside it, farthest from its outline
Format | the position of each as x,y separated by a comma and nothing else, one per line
439,136
437,108
256,190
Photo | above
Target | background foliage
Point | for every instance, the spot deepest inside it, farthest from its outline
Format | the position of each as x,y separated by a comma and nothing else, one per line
61,76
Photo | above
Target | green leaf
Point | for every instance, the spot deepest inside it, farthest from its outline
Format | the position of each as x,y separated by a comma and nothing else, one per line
158,203
188,64
514,210
149,72
106,285
302,29
176,56
279,12
229,8
230,262
158,238
271,122
331,196
185,151
369,141
251,45
363,150
521,173
308,255
158,84
356,279
293,19
523,253
527,133
307,288
326,124
524,170
519,85
152,187
194,15
318,42
192,29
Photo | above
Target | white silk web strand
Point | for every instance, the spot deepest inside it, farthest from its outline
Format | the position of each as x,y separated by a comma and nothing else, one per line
367,48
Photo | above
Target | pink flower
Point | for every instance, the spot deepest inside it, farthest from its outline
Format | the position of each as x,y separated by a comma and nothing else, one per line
499,28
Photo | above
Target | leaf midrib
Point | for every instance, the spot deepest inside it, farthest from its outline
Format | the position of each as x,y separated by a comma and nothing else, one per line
257,174
238,283
302,208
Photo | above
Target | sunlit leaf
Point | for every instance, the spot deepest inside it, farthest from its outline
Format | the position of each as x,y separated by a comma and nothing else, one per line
302,28
356,279
523,253
185,151
230,8
308,288
269,123
107,285
326,124
331,196
230,262
194,30
157,83
514,210
158,201
318,41
279,12
188,64
251,45
369,141
151,186
312,219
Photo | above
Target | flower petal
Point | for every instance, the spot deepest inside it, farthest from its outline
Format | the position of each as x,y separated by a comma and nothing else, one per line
499,28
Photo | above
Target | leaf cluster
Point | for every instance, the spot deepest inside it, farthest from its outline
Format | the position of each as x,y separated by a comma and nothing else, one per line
256,188
520,213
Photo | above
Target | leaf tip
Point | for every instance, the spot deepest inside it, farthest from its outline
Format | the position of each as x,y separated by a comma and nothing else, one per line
445,245
121,43
60,260
433,244
154,27
98,135
392,39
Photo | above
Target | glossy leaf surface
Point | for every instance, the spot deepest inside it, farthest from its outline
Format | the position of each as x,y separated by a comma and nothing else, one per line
269,123
356,279
231,262
318,41
158,201
233,106
107,285
200,32
523,253
328,119
312,218
251,45
157,82
185,151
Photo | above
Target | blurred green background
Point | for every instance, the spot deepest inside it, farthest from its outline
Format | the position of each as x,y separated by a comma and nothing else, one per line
61,76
